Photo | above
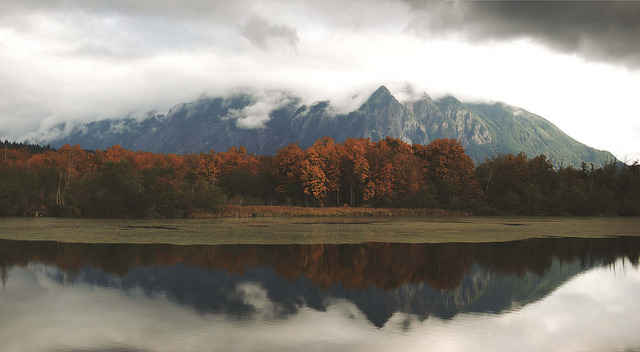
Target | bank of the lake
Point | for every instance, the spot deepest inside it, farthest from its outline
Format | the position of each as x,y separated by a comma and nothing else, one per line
276,211
305,230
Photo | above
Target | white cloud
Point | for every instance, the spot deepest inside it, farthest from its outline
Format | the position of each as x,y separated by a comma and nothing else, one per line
257,114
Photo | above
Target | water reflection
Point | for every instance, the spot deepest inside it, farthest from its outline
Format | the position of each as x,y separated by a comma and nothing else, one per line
367,287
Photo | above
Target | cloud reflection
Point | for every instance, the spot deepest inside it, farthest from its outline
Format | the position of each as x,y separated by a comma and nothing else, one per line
598,310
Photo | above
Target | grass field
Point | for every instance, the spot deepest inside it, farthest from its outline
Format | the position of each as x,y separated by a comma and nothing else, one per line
428,229
276,211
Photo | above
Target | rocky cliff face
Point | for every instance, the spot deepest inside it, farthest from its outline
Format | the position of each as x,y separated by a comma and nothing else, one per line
221,123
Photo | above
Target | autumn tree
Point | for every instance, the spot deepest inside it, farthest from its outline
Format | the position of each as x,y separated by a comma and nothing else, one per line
312,176
120,183
321,170
237,171
402,169
380,179
288,163
354,168
116,153
71,163
206,166
449,169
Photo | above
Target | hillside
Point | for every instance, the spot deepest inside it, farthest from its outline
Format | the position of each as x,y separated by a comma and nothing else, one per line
220,123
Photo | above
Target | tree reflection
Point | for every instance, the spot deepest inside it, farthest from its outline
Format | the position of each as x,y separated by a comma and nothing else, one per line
380,278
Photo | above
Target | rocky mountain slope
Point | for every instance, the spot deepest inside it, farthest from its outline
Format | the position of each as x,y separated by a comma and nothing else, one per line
220,123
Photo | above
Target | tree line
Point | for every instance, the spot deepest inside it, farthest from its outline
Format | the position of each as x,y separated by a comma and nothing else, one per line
117,182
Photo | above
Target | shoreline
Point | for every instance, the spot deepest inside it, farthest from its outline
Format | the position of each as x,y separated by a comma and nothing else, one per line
314,230
289,211
284,211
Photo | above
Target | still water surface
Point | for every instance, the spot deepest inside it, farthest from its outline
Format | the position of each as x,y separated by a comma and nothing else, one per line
556,294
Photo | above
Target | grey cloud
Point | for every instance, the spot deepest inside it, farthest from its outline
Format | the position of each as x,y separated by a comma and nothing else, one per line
263,34
601,31
133,29
124,29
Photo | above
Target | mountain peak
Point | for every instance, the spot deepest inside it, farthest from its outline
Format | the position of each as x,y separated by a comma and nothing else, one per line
449,102
381,97
449,99
381,91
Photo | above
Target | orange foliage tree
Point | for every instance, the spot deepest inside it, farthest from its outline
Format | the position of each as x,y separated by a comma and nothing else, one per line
321,170
390,172
449,169
288,162
355,166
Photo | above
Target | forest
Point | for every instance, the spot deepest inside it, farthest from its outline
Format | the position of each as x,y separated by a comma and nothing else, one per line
390,173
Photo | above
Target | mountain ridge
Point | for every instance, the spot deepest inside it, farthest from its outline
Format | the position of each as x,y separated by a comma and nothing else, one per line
264,126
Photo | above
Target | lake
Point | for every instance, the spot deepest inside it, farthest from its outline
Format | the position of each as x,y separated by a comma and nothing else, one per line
438,284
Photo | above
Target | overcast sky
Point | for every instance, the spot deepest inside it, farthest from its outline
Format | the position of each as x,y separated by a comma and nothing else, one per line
574,63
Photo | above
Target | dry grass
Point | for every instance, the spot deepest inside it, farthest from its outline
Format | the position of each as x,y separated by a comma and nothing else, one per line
273,211
312,230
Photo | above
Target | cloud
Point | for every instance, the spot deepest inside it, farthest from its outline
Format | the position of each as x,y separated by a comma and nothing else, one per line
81,61
256,115
184,10
407,92
264,34
604,31
601,31
258,112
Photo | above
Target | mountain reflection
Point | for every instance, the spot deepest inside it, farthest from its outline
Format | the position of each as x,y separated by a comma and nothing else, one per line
379,278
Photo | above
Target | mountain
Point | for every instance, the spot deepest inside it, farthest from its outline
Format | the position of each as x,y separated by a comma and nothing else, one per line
265,126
